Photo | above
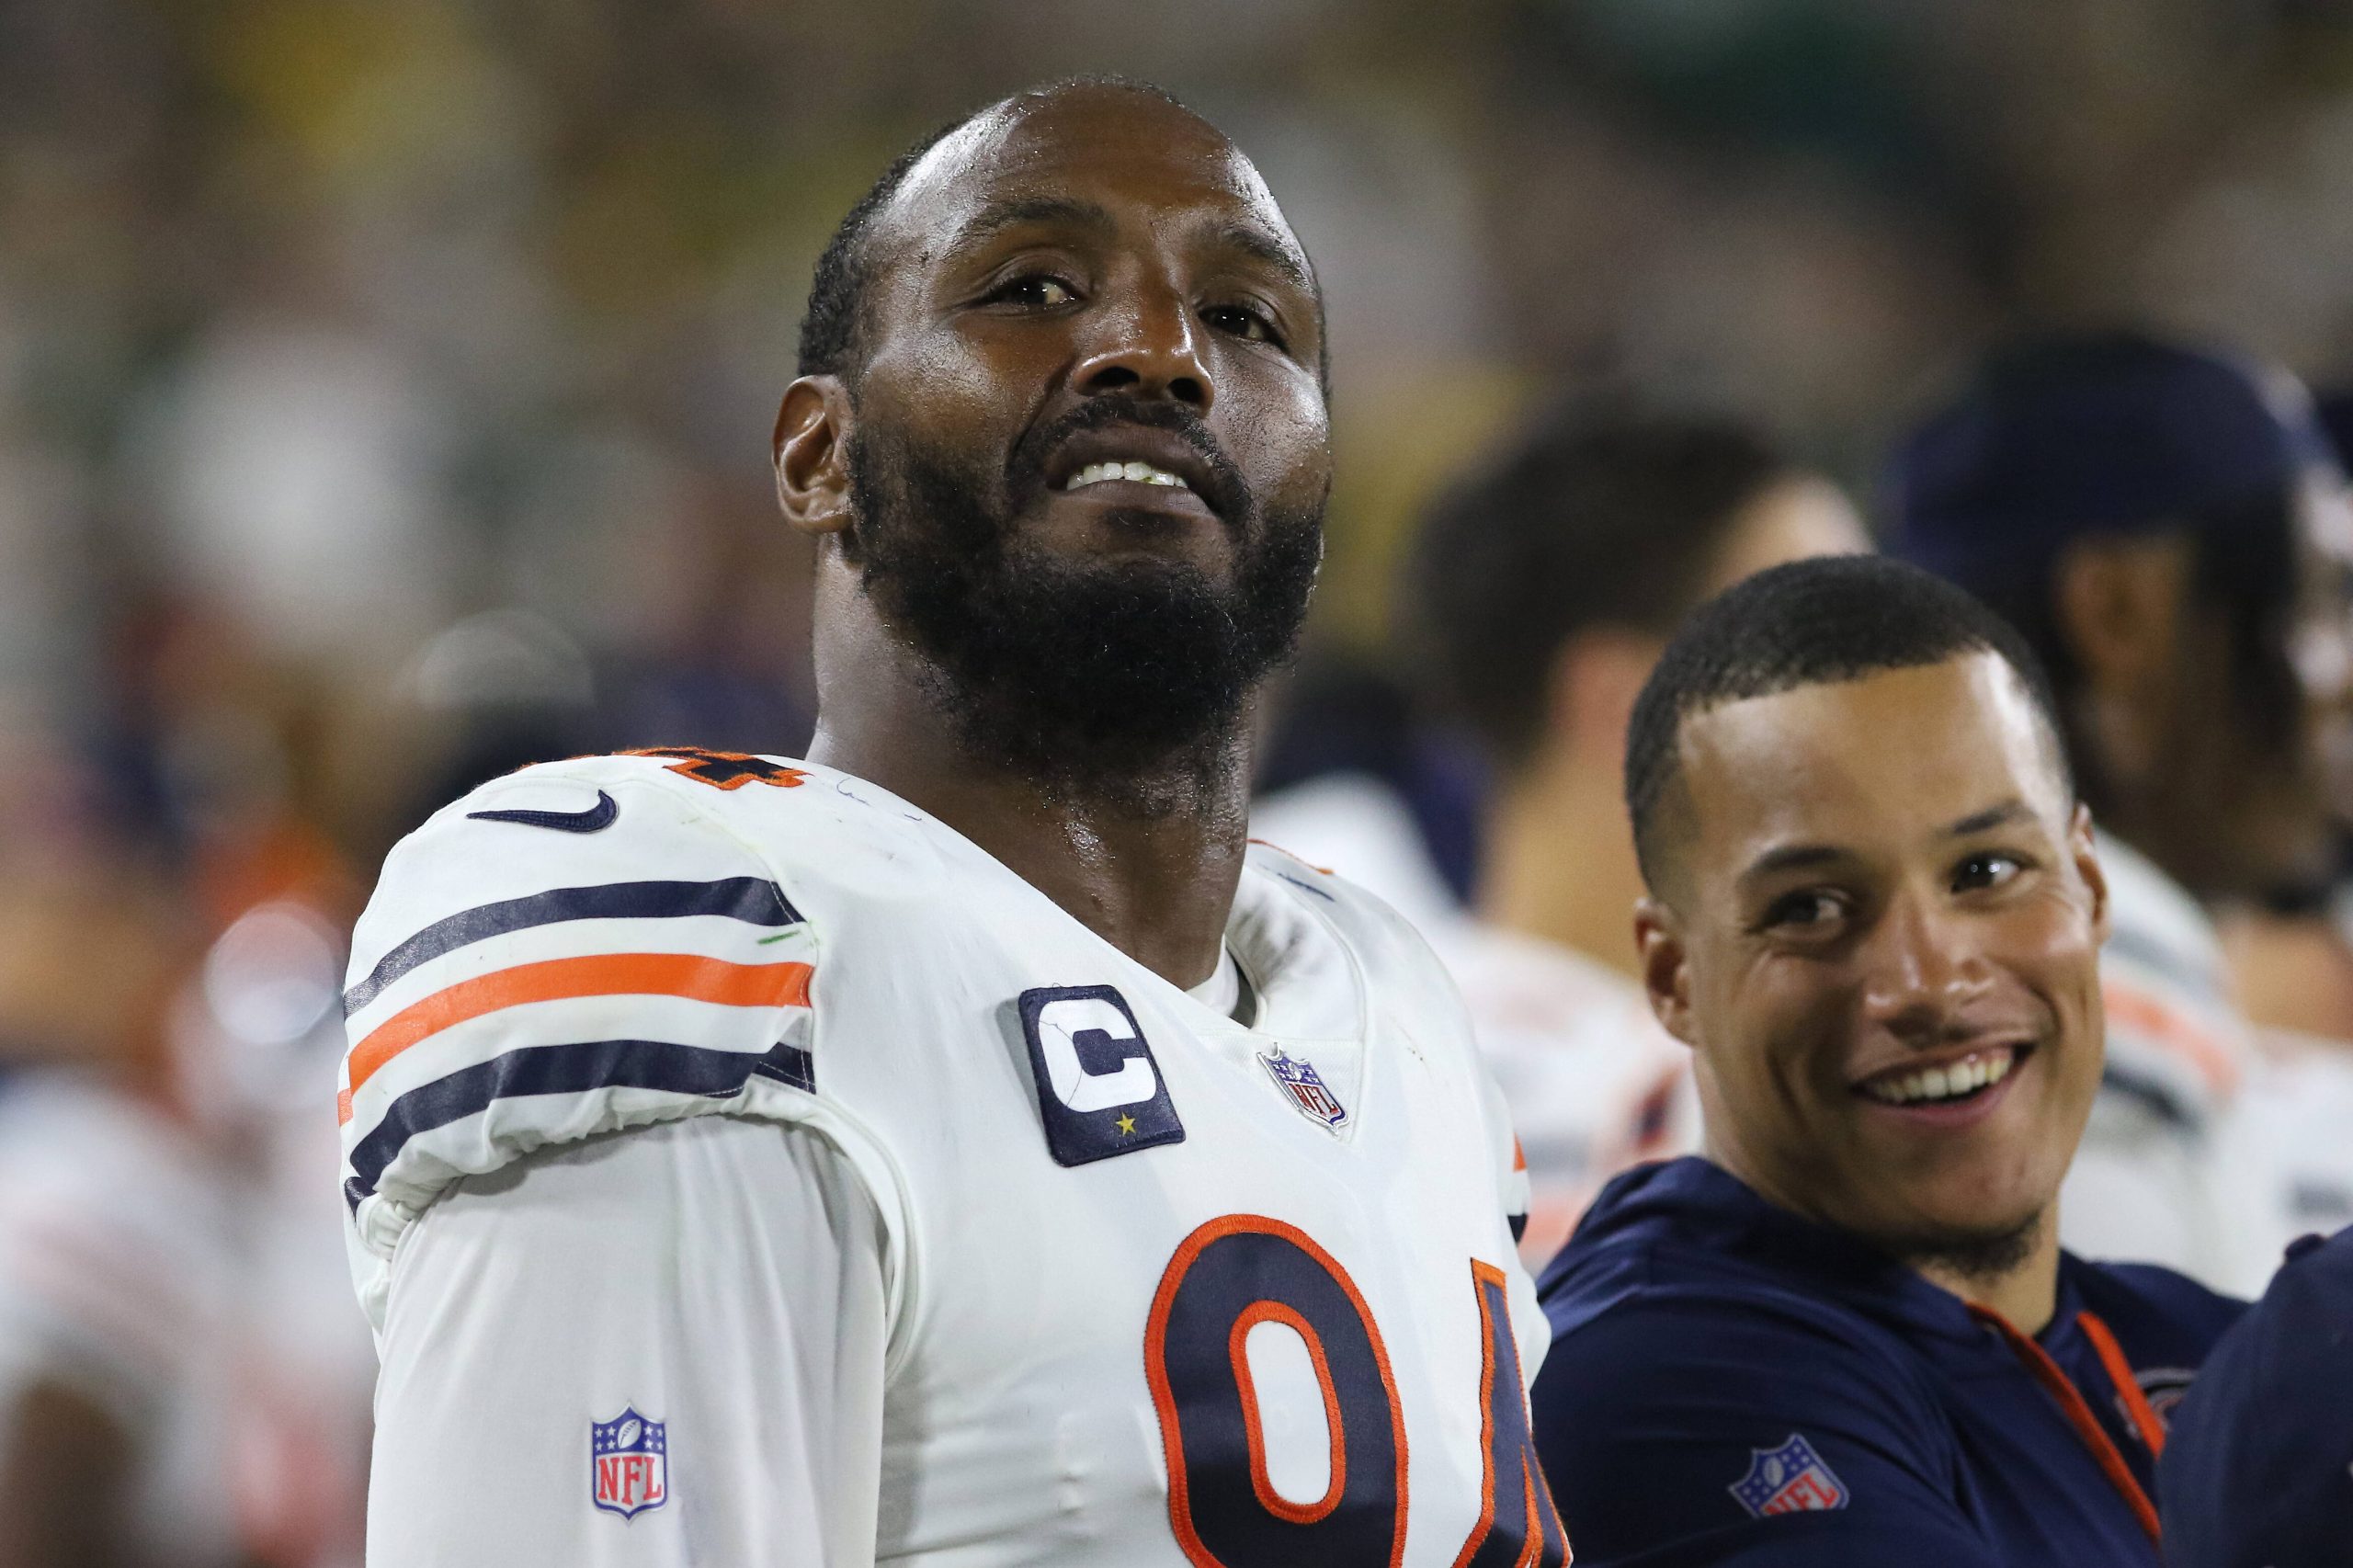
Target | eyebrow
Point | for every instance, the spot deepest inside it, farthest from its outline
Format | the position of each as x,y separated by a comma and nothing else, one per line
1792,858
2008,812
1799,856
1260,246
1249,240
999,216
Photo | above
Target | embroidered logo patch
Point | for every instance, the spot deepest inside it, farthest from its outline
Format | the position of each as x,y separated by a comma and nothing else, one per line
723,769
1099,1092
1305,1088
2163,1386
1790,1478
629,1464
596,819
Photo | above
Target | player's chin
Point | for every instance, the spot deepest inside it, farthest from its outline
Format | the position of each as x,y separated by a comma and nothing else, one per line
1972,1205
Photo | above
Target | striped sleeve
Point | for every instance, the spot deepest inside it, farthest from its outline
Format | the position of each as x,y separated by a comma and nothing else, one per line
516,984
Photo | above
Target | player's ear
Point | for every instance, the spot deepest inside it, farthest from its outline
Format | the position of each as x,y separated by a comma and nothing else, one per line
2085,849
1666,971
813,455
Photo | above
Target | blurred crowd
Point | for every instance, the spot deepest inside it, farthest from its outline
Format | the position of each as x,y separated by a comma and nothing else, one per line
384,397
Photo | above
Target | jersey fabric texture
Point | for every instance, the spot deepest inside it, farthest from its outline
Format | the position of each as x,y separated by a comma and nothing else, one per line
1731,1384
2295,1109
765,1173
1594,1083
2170,1169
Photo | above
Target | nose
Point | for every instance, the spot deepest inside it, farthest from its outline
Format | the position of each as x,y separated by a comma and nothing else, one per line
1148,347
1921,971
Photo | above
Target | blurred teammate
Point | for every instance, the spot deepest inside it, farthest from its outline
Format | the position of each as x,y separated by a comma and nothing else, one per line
119,1325
1847,1335
1547,586
2164,528
958,1147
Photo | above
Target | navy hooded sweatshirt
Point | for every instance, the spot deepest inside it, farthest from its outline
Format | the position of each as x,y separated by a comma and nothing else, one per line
1731,1384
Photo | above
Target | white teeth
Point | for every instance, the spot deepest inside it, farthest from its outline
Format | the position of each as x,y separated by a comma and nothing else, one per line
1135,473
1976,1070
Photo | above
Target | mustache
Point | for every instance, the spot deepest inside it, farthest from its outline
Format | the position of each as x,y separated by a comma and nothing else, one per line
1230,495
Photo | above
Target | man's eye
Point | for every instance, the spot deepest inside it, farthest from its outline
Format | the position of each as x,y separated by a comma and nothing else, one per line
1801,912
1985,871
1035,289
1241,322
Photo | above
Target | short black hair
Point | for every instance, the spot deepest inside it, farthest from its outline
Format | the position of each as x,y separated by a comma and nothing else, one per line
830,323
1593,517
1815,622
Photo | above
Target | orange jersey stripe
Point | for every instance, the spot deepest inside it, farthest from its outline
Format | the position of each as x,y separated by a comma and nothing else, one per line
2172,1028
602,974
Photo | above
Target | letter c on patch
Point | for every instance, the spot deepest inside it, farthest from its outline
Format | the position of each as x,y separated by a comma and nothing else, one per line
1079,1036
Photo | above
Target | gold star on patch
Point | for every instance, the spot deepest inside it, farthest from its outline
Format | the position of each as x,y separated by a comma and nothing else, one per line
1126,1124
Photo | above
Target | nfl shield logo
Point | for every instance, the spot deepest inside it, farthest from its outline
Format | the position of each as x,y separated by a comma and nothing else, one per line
629,1464
1790,1478
1307,1091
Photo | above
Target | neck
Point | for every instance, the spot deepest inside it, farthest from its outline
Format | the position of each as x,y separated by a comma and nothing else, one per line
1150,865
1560,863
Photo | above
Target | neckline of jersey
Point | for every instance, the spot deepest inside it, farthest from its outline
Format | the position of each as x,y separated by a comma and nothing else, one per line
1267,931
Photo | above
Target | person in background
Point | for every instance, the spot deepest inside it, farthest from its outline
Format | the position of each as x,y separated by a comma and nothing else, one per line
2164,526
118,1338
1849,1334
2258,1470
1545,586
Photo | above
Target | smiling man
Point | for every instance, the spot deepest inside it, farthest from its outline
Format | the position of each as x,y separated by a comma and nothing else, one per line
957,1146
1848,1334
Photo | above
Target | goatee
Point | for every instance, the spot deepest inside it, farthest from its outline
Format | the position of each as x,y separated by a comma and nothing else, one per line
1979,1257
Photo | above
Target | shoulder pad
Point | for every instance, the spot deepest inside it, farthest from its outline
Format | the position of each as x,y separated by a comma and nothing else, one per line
570,949
1386,942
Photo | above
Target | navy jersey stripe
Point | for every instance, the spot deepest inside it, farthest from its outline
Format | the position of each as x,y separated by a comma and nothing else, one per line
749,898
562,1070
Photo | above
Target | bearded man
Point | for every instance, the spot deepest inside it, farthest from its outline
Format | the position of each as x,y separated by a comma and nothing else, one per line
957,1146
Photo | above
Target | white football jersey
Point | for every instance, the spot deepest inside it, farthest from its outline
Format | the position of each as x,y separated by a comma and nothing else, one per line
1595,1083
744,1167
2168,1171
118,1281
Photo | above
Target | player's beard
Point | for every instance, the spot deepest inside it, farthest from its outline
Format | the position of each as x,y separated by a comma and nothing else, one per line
1125,682
1982,1255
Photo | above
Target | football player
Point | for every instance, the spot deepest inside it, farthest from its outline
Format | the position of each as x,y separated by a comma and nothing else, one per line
121,1403
1847,1335
957,1146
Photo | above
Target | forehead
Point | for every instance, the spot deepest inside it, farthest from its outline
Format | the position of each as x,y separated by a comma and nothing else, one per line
1888,760
1131,153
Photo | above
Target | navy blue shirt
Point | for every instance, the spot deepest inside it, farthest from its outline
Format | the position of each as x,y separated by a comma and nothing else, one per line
2260,1470
1731,1384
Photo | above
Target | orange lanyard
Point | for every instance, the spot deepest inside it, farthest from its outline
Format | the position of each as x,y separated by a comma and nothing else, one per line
2079,1414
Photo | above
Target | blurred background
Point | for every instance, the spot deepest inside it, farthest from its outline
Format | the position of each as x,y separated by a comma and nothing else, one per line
385,394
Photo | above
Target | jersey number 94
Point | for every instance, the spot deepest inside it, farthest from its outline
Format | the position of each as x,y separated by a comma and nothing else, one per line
1235,1273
